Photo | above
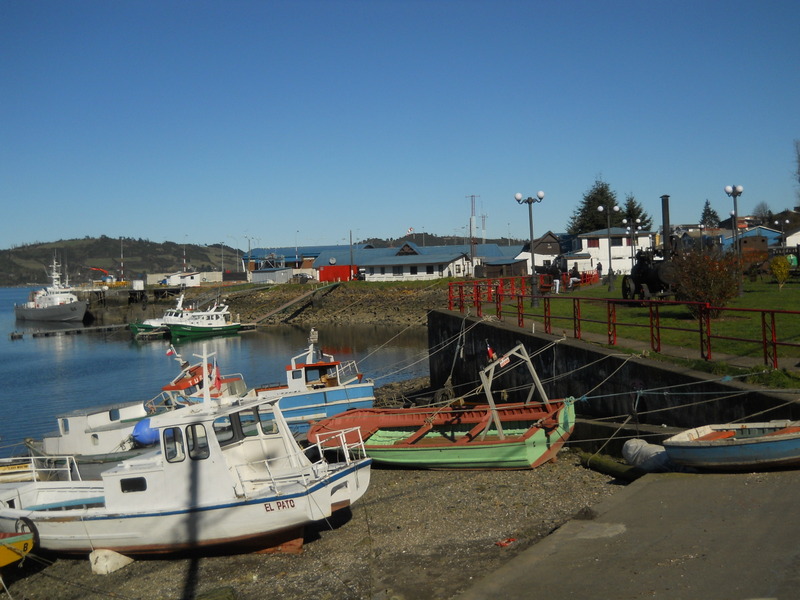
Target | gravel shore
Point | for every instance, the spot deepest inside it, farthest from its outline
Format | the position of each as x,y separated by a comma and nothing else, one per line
415,534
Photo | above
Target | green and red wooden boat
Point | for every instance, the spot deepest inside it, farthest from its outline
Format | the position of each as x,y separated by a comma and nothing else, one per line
521,435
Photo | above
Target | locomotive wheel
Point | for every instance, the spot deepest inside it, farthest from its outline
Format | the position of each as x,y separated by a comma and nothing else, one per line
628,288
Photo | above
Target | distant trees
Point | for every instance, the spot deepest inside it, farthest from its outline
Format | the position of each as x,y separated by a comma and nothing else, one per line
763,213
587,218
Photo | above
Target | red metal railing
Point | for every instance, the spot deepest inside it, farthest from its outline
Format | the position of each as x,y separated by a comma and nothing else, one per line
507,296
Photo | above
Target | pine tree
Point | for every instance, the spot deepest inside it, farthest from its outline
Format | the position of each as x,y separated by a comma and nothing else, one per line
633,210
709,218
587,218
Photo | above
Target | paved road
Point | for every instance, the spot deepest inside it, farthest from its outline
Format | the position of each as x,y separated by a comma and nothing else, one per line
709,537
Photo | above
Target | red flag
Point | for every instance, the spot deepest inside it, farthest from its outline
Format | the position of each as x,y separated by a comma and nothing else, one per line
490,352
170,351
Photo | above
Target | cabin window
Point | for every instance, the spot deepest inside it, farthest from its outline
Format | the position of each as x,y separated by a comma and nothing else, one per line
249,421
173,444
297,374
267,419
95,440
223,429
113,414
64,426
197,441
133,484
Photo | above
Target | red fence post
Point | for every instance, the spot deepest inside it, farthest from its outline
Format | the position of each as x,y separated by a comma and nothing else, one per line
576,318
770,345
548,326
704,319
655,327
611,309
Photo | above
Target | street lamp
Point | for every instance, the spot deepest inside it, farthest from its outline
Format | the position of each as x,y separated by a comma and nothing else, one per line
783,235
615,208
633,231
734,191
529,201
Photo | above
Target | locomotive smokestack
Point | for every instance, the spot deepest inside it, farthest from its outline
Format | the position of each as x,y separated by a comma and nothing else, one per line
665,237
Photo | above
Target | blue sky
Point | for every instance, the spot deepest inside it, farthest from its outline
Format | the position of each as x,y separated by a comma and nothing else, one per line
304,121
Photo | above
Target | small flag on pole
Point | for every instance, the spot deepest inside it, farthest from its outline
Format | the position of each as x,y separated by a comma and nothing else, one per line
410,231
490,352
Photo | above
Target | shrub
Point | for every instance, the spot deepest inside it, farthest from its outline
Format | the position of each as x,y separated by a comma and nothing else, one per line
780,269
707,278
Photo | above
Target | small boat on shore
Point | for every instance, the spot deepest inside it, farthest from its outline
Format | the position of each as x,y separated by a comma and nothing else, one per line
226,474
107,434
15,546
520,435
56,302
318,386
737,446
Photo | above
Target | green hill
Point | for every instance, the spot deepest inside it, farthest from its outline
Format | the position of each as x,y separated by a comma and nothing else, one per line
129,257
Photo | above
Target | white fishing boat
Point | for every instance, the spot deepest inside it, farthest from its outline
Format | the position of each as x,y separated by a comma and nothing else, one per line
226,473
205,323
319,386
56,302
108,434
178,314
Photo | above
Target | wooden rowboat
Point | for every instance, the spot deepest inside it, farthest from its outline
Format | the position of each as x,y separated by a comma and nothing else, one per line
737,446
519,435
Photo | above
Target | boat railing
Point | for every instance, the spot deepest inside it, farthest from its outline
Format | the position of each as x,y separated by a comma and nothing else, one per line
347,371
276,470
39,468
338,441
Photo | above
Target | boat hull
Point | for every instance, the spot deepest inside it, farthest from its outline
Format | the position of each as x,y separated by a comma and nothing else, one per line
737,447
180,331
80,528
302,409
72,312
15,546
400,437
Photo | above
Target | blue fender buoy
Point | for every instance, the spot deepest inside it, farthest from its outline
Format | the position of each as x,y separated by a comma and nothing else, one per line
143,434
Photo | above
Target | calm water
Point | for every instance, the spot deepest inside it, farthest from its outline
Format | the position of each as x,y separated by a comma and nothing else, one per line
46,376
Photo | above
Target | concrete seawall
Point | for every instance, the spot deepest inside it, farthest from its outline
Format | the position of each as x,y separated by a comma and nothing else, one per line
607,381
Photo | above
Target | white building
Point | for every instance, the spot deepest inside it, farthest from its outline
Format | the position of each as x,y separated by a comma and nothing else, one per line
623,246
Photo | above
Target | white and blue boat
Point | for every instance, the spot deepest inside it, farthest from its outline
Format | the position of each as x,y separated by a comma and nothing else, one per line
317,387
737,446
225,473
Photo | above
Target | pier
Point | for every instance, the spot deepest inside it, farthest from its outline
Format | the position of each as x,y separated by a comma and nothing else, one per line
18,335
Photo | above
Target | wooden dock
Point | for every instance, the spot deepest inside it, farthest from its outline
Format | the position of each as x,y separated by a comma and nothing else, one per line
18,335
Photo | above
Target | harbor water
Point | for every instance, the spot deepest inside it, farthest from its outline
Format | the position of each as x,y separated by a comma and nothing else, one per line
43,377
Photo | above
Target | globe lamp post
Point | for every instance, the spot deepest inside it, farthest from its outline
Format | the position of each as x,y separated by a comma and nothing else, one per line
601,209
534,282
